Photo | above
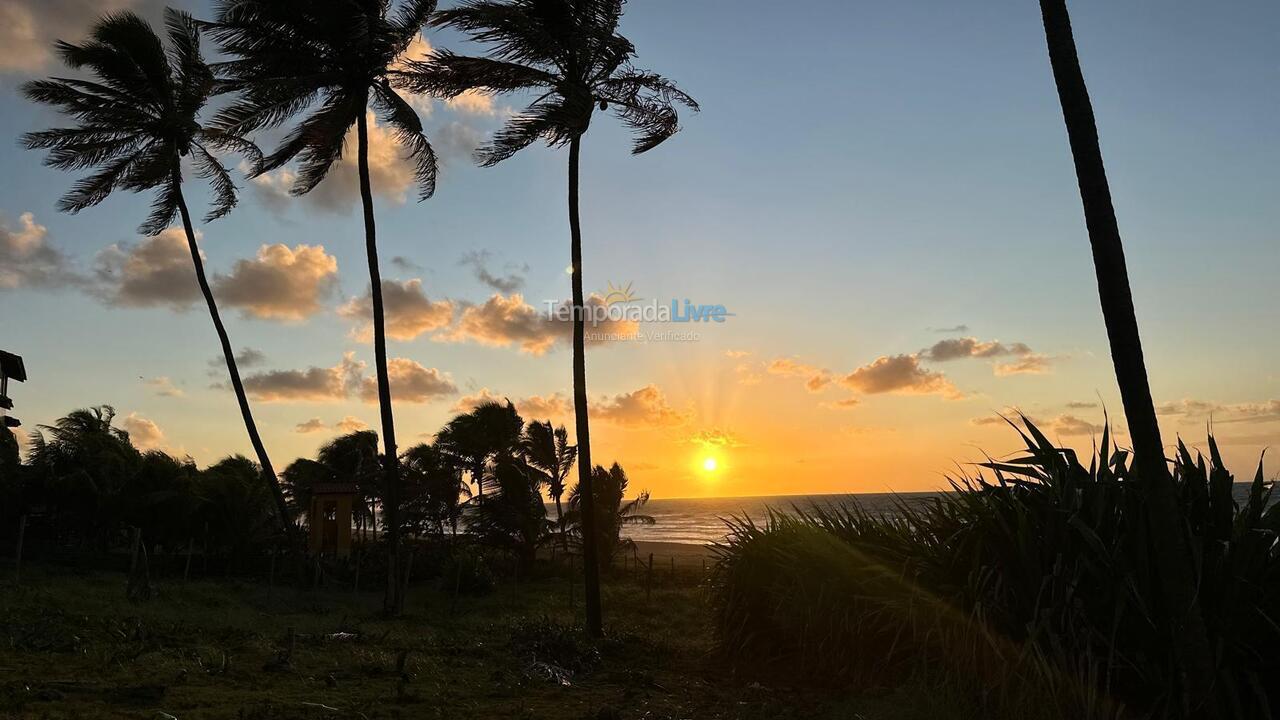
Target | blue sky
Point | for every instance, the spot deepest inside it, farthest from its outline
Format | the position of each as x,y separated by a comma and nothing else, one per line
861,175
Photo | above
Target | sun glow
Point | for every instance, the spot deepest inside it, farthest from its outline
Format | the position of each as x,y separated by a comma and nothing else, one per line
709,464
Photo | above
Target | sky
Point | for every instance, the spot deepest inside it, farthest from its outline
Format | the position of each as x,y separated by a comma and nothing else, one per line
881,194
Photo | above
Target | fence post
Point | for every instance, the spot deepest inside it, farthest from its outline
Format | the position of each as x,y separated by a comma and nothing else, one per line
648,579
17,561
186,570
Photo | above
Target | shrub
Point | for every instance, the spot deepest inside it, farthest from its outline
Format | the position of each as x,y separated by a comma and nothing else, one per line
1040,574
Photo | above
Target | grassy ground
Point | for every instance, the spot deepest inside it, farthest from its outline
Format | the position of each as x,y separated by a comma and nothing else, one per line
72,646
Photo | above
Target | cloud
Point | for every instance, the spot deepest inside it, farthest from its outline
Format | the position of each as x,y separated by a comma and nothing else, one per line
390,176
27,258
313,425
817,379
844,404
478,260
1072,425
404,264
969,347
646,406
533,407
954,329
503,321
1031,364
279,284
164,387
899,374
545,406
1081,405
314,384
714,438
736,354
472,102
155,272
246,358
410,383
409,312
455,141
144,433
348,424
1189,408
29,27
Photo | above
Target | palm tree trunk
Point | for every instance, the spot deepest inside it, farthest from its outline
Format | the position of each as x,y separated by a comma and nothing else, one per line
282,509
590,563
1168,542
564,541
393,602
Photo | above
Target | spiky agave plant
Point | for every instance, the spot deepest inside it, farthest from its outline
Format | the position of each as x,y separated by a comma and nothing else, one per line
137,119
1047,556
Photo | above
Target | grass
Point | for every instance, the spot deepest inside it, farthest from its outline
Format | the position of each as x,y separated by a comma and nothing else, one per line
72,646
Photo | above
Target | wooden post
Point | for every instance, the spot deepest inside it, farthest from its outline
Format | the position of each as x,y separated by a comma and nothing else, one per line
673,568
648,579
17,560
186,570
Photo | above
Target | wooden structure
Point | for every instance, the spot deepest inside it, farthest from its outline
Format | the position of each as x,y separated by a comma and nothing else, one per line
330,519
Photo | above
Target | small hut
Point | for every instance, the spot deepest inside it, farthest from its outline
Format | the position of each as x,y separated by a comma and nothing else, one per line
330,519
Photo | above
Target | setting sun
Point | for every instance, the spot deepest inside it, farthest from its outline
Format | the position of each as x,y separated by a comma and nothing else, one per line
709,464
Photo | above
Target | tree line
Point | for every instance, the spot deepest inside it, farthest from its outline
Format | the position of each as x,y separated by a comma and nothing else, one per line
484,474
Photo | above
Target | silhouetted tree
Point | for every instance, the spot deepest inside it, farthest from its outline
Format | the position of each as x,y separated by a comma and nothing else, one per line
570,54
236,508
330,59
1176,566
490,432
351,458
512,516
548,450
612,512
136,121
438,488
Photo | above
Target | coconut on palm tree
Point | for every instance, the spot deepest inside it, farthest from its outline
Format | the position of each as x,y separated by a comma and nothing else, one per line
330,61
569,54
1176,564
137,119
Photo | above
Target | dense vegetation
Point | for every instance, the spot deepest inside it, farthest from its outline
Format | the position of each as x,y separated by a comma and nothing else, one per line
84,487
1035,582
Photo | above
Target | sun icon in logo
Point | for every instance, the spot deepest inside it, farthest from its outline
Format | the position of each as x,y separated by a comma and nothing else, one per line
619,294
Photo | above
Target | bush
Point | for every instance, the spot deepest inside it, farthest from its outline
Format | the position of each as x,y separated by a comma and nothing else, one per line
1040,576
468,572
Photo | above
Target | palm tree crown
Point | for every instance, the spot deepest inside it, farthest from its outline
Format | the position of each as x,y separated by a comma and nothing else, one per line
137,118
568,51
329,59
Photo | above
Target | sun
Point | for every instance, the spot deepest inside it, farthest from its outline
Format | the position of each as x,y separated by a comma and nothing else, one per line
709,464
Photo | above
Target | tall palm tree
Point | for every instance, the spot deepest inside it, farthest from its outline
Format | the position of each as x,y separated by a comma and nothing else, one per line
330,60
569,53
489,433
1175,564
136,121
548,450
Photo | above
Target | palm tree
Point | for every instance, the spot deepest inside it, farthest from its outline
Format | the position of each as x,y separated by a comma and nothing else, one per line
548,451
570,53
330,60
490,432
612,512
135,123
1175,564
438,484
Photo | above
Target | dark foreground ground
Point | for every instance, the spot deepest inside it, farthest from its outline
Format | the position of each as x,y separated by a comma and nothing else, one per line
72,646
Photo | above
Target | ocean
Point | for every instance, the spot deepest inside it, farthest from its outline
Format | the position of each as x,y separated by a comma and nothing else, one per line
701,520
